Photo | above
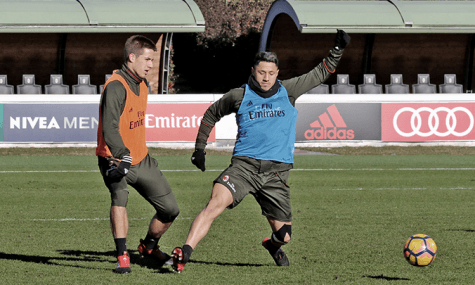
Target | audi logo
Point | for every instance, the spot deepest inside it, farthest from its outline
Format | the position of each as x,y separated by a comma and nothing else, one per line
433,121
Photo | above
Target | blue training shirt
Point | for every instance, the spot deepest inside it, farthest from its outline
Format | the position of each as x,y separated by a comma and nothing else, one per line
266,126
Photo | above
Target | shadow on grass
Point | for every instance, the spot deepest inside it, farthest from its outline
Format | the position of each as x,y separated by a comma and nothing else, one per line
385,277
461,230
50,260
226,263
135,258
88,256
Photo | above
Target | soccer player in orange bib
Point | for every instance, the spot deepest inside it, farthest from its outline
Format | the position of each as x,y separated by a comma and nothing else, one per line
123,156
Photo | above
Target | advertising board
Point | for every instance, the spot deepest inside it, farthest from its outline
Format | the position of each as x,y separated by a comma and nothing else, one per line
50,122
427,121
175,122
79,122
345,121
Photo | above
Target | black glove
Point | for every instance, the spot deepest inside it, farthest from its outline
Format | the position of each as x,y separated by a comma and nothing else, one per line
198,159
341,40
117,172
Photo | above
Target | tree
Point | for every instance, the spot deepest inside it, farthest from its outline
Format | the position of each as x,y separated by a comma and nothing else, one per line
227,20
220,58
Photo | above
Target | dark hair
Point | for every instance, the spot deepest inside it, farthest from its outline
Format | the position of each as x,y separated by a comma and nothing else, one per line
265,56
136,44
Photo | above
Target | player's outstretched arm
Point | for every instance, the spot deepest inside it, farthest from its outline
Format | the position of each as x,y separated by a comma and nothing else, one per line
299,85
342,40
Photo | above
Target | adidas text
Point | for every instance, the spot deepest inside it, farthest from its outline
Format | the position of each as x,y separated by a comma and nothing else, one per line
329,134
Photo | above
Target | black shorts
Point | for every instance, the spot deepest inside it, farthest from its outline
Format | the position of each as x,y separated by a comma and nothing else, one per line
265,180
149,181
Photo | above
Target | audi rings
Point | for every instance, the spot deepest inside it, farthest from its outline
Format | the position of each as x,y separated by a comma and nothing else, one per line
433,121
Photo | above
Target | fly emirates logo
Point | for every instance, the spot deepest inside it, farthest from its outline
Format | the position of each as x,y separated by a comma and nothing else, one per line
329,126
172,121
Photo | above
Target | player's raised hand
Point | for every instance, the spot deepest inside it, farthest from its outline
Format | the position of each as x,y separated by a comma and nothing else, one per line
341,40
198,159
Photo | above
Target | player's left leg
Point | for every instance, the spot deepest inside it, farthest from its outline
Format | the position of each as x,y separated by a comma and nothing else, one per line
149,246
274,199
153,186
281,235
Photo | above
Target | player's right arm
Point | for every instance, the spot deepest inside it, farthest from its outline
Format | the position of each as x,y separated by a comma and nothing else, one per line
226,105
112,105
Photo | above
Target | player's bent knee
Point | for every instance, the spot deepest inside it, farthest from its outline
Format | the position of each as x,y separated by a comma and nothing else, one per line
283,235
168,214
167,217
166,207
119,198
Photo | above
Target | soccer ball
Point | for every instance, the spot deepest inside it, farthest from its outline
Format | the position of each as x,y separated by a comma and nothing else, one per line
420,250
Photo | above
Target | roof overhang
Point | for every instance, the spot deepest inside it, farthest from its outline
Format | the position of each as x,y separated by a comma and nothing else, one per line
100,16
377,16
326,16
385,16
391,16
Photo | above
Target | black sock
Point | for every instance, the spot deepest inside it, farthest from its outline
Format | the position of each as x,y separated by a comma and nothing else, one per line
271,247
150,242
187,251
120,245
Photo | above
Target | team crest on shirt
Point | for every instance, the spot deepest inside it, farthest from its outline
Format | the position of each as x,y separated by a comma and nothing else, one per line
226,178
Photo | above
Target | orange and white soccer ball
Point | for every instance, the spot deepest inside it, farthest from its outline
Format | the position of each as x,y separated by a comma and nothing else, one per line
420,250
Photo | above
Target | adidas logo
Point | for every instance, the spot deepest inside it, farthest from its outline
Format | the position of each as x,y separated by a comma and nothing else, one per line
249,104
329,126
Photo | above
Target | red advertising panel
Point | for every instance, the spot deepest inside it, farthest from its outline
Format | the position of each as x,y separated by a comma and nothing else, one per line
177,122
427,121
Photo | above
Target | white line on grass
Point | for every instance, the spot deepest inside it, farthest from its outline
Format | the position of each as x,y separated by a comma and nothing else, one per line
219,170
397,189
48,171
87,220
382,169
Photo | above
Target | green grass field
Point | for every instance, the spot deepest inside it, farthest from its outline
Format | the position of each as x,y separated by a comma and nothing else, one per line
352,216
